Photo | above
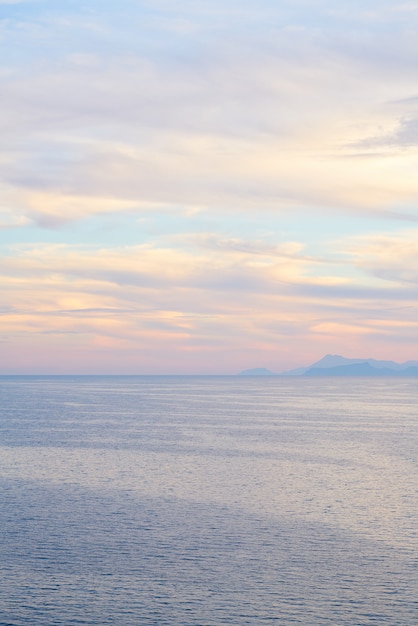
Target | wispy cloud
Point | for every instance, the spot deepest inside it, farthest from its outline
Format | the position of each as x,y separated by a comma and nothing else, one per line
122,299
392,258
251,120
232,144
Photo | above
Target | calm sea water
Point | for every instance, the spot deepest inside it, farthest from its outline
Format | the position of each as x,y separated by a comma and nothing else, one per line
205,501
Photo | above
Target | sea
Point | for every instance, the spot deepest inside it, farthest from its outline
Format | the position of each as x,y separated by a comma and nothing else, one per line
207,501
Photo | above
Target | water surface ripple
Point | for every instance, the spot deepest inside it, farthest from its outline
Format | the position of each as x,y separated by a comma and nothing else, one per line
203,501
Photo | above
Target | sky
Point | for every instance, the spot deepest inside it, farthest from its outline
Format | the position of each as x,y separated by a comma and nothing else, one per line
202,187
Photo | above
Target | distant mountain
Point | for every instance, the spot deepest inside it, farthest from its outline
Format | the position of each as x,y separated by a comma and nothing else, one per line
361,369
354,369
336,365
257,371
328,361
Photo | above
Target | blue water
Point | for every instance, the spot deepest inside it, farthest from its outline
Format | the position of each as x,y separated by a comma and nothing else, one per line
207,501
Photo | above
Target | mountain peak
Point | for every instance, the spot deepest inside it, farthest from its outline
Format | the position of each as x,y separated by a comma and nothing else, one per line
336,365
335,360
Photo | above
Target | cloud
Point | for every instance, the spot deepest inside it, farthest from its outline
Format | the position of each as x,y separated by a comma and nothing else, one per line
392,258
9,220
220,122
251,120
191,299
405,136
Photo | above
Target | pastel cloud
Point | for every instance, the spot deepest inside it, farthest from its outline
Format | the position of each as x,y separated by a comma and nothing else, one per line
242,120
179,301
392,257
267,121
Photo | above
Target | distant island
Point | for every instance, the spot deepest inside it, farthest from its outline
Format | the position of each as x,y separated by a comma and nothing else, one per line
258,371
335,365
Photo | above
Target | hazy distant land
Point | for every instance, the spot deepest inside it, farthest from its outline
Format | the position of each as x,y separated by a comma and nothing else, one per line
335,365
